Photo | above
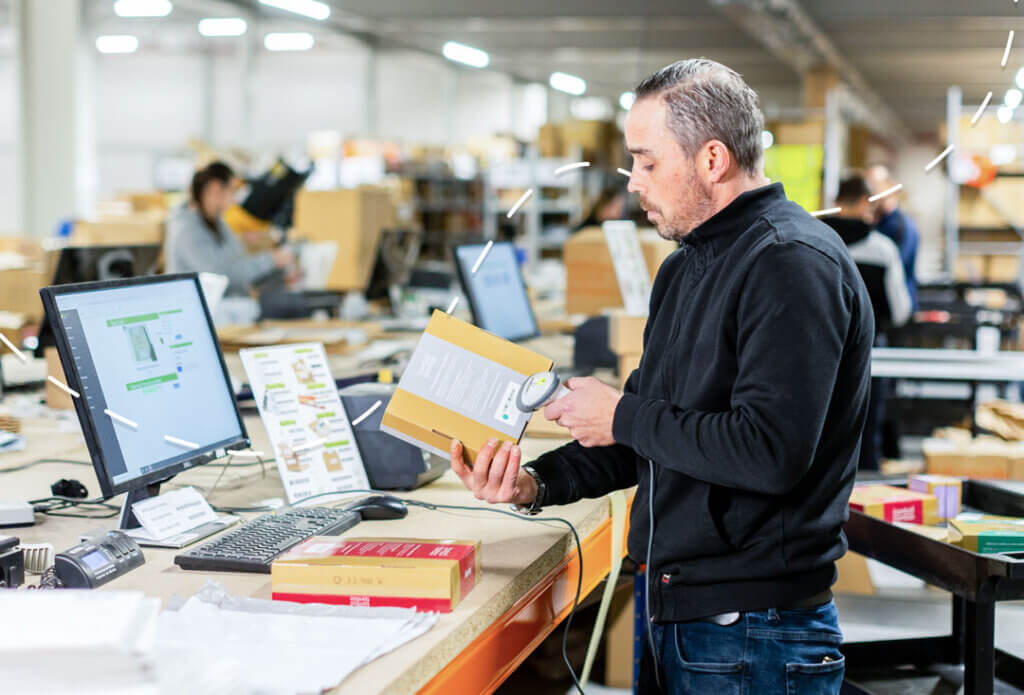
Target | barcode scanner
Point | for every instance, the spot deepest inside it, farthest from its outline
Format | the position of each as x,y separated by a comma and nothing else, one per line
538,390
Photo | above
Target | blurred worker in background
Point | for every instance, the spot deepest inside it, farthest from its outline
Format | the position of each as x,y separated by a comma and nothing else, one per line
610,205
879,263
895,224
198,240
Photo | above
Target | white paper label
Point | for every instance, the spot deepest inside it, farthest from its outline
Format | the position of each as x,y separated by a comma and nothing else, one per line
173,513
630,266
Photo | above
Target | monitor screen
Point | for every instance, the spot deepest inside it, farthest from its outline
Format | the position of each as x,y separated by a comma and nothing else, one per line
497,295
145,350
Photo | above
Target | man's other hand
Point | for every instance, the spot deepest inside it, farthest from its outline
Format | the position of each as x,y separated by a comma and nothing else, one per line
587,412
495,476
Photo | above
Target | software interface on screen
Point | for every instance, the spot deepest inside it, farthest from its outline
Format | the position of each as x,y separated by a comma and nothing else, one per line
146,352
497,291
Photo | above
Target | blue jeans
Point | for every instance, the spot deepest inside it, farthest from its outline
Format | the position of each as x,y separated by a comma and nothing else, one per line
772,652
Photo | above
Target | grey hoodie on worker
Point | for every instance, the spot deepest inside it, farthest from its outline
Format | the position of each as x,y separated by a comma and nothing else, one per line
192,247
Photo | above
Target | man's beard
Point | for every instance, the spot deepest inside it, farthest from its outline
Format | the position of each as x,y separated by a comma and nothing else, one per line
696,210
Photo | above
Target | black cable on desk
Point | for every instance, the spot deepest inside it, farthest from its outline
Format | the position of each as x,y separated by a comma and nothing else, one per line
37,462
55,505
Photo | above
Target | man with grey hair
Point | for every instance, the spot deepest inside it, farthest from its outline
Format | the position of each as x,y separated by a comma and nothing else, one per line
741,427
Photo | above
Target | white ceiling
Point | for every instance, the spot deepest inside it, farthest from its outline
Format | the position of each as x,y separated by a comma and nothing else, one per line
909,51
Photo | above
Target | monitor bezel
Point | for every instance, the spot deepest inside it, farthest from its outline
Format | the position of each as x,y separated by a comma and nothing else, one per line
201,456
474,309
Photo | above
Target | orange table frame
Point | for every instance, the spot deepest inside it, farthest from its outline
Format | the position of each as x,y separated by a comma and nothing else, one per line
492,657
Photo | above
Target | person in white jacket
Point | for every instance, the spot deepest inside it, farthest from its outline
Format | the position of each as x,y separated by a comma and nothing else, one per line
879,262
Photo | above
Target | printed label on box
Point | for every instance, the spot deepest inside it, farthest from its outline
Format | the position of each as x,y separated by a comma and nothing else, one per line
464,382
507,410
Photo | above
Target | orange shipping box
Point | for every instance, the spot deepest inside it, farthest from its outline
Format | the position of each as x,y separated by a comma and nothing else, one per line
461,383
895,504
428,575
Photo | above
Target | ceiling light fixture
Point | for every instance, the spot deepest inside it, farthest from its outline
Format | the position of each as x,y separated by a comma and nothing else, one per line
117,43
1004,114
288,41
626,100
142,8
222,26
307,8
467,55
570,84
1013,97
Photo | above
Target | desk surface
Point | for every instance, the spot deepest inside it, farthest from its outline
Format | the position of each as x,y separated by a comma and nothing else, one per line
516,554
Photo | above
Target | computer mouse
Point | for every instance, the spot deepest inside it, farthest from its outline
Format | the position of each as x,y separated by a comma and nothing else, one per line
380,508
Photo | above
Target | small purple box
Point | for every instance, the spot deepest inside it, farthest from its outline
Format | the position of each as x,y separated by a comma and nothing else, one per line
945,488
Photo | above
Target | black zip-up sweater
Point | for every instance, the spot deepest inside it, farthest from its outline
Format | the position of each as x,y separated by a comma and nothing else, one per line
750,400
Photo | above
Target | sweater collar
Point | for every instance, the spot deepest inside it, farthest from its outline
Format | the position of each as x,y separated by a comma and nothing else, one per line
739,214
850,230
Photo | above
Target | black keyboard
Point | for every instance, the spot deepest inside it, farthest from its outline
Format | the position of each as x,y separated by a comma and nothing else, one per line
255,544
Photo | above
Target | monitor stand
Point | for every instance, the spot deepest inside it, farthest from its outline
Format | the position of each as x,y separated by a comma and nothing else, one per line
130,524
138,494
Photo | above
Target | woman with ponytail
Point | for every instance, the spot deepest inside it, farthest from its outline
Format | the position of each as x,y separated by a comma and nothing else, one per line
198,240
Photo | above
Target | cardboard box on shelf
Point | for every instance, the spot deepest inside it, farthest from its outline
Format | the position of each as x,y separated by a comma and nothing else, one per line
895,504
627,363
619,640
19,291
947,490
597,140
428,575
625,332
970,268
461,383
798,133
549,141
853,576
12,326
590,275
354,218
145,201
139,228
990,534
982,457
29,249
56,398
1003,268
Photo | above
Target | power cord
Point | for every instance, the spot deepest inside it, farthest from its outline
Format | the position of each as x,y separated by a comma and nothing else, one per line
647,574
37,462
494,510
55,504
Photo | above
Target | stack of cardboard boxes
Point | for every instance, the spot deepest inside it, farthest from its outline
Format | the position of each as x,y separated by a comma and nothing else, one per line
354,219
590,285
598,142
626,340
957,453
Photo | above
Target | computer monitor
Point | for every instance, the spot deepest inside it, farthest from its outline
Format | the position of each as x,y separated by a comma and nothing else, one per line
496,292
144,350
98,263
